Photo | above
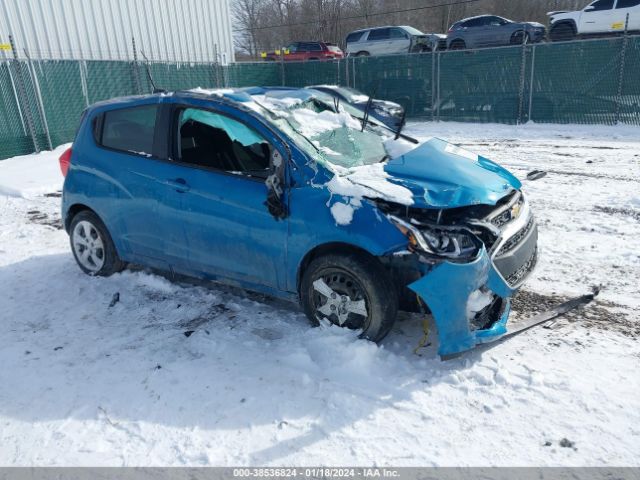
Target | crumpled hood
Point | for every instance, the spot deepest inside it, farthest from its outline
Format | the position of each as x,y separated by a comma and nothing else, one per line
442,175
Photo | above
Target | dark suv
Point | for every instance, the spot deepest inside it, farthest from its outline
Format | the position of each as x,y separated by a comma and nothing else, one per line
492,31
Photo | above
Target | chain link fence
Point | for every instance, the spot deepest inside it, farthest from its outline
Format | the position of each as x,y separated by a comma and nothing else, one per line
592,81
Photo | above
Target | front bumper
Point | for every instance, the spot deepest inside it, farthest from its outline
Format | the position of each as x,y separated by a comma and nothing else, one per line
447,287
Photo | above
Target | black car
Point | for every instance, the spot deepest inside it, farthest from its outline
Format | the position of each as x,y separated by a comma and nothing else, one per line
388,113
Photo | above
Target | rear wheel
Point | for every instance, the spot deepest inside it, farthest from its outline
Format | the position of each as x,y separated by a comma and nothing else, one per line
362,54
92,246
352,291
562,33
458,45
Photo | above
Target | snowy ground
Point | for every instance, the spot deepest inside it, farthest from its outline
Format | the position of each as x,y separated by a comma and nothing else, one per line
86,383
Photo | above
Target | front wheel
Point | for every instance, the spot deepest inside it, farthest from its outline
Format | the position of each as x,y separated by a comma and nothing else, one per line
92,246
519,38
352,291
562,33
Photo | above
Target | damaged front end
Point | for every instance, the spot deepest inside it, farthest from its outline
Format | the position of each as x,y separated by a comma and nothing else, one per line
467,264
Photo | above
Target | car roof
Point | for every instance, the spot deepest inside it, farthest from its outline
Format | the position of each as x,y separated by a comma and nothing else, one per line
477,16
381,26
236,96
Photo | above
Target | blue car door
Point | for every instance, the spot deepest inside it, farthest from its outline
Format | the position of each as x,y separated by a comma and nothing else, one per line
222,165
139,205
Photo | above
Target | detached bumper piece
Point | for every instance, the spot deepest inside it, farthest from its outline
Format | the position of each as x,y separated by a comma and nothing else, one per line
447,288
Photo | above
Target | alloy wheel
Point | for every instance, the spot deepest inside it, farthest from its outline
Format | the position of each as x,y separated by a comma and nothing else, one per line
88,246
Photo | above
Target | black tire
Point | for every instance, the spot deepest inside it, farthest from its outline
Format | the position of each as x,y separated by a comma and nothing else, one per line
362,54
110,262
357,277
458,45
562,32
519,37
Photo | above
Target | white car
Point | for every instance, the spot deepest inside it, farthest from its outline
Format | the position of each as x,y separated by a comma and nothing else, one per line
392,40
597,18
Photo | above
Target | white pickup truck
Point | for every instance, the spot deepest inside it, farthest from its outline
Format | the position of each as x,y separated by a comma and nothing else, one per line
598,18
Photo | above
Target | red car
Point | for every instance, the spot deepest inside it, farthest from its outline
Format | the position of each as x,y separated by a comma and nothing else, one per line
300,51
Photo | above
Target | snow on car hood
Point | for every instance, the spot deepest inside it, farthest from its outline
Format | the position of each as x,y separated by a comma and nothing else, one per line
442,175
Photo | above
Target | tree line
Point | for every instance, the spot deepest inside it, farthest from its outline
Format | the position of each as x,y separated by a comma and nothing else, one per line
261,25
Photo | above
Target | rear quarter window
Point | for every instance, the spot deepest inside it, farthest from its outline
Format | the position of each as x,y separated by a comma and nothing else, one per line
354,37
129,129
379,34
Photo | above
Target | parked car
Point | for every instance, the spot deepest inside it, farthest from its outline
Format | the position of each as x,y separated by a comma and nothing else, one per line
602,17
389,113
301,51
392,40
492,31
274,190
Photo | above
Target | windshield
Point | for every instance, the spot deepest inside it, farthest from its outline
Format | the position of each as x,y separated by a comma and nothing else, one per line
354,96
330,136
413,31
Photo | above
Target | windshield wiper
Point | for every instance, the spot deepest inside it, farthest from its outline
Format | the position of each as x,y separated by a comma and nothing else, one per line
403,120
365,117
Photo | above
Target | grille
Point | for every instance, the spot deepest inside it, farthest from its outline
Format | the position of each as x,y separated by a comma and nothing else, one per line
506,215
526,267
517,238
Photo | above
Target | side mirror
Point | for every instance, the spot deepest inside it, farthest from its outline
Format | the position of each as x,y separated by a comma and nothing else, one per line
590,8
275,188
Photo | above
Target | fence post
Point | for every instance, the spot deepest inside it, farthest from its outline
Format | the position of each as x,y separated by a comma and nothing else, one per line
39,101
136,71
346,71
219,68
523,68
623,55
353,65
433,85
533,68
282,66
82,65
21,97
438,88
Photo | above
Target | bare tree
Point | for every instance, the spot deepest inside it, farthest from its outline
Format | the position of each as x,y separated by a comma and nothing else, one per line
266,24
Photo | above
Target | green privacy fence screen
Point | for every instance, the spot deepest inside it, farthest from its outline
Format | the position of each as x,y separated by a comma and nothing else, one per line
594,81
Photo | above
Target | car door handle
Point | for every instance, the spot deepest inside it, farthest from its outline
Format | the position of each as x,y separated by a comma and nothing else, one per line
180,184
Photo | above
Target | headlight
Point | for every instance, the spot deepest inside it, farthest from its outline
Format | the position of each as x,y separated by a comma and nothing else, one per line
439,241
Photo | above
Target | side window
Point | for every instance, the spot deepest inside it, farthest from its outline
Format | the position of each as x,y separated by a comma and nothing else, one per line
354,37
627,3
293,47
314,47
379,34
129,129
475,22
398,33
601,5
211,140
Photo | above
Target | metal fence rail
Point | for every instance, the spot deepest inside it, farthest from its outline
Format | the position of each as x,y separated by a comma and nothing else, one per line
594,81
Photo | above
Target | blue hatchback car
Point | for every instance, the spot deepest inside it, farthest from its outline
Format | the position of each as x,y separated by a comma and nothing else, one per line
284,192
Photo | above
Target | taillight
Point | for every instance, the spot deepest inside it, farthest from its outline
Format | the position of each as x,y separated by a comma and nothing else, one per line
65,160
